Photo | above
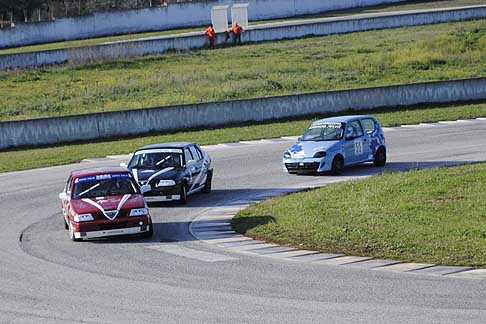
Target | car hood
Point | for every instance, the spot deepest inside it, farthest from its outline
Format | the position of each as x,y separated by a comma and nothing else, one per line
146,174
88,205
307,149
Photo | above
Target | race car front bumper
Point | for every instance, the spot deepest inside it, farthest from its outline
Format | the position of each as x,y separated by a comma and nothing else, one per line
112,232
162,198
161,194
307,165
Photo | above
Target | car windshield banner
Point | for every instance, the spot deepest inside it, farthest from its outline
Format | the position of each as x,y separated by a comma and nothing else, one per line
101,177
159,151
327,125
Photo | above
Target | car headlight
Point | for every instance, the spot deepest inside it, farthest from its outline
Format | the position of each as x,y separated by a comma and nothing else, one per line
166,183
139,212
287,155
83,218
319,155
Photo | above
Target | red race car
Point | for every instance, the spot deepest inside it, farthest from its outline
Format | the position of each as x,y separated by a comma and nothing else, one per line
104,202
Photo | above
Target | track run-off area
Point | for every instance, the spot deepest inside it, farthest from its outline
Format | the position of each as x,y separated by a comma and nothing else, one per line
174,278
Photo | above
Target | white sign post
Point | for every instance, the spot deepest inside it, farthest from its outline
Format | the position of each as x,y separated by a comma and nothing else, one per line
239,14
219,18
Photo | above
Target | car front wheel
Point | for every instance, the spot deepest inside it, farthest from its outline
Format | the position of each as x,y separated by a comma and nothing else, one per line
71,234
183,194
337,165
150,232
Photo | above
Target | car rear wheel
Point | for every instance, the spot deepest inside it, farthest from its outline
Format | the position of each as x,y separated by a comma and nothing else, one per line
380,157
208,183
183,194
337,165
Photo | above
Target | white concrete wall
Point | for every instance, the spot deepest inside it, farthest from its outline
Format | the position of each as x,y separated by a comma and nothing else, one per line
173,16
131,122
277,31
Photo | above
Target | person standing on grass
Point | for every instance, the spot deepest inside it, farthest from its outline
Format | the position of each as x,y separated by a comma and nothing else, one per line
211,36
236,30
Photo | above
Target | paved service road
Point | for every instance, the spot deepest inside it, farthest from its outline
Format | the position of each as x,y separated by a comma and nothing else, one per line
46,278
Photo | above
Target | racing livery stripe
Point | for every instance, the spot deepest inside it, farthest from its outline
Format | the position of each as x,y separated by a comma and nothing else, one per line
159,173
100,208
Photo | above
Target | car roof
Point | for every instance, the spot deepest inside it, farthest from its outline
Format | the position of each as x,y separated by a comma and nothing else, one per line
342,119
165,145
98,171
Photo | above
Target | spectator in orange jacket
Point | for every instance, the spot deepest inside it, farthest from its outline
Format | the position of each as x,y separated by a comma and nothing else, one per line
236,30
211,36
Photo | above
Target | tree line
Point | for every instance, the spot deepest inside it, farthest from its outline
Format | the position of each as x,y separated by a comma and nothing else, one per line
23,10
36,10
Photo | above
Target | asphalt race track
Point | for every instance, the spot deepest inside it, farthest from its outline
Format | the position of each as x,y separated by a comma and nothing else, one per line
46,278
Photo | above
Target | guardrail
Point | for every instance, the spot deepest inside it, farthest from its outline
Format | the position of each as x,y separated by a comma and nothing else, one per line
138,121
267,32
174,15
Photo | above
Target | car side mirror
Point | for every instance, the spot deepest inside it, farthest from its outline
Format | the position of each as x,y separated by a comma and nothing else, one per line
63,196
299,138
145,188
123,165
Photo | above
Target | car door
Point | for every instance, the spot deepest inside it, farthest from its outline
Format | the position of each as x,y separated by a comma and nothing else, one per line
369,127
205,163
198,175
66,203
190,167
354,142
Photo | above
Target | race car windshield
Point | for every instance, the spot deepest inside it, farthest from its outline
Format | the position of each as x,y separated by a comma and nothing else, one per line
156,160
103,186
324,132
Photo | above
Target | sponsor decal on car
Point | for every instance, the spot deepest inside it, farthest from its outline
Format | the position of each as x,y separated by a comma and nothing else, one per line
159,151
102,177
328,125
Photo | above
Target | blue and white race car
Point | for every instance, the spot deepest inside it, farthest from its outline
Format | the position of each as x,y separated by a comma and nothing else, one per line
331,144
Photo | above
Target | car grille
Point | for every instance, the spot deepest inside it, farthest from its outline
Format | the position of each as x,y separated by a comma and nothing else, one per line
302,167
110,226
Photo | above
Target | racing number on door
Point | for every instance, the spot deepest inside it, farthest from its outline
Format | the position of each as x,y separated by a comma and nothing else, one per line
358,147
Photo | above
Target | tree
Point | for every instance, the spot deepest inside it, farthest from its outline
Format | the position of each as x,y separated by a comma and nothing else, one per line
7,8
27,7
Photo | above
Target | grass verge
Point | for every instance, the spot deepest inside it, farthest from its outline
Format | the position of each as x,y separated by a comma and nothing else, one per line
21,159
407,5
430,216
374,58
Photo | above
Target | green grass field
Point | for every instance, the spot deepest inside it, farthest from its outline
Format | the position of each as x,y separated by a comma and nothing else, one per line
429,216
408,5
384,57
22,159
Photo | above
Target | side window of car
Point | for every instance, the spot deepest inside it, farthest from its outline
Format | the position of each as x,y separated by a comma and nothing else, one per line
199,152
195,154
187,155
353,130
68,185
368,125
